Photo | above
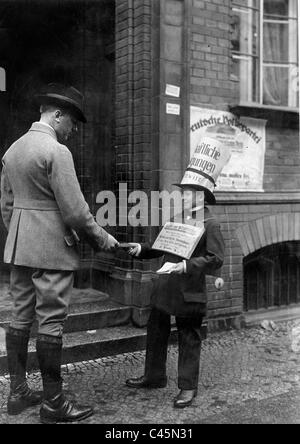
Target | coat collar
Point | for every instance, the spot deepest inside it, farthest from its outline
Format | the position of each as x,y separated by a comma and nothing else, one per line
42,128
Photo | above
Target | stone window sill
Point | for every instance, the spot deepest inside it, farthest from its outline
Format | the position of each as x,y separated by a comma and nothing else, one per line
268,197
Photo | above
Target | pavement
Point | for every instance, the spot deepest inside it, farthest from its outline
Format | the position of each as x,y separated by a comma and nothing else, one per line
248,376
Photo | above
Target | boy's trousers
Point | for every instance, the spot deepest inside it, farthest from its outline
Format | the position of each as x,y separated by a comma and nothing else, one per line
189,348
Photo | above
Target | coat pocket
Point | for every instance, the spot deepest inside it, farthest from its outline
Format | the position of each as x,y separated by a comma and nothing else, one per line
199,297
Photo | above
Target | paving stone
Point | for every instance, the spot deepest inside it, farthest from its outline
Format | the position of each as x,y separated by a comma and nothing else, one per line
237,367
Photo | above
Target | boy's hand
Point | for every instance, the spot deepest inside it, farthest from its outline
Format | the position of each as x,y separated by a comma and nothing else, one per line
178,268
135,249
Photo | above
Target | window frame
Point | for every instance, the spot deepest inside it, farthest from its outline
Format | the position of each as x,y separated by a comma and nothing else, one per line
258,100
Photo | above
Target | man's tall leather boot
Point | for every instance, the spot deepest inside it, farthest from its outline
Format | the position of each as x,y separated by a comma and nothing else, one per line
55,408
21,396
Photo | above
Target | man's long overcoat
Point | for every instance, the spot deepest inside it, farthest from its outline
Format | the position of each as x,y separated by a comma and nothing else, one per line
41,201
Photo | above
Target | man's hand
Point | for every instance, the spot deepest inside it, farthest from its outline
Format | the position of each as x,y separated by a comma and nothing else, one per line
111,243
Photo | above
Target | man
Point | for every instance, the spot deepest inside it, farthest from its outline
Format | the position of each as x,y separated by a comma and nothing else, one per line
182,294
43,209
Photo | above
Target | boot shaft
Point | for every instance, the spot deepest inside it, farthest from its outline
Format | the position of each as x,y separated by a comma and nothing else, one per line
49,353
17,351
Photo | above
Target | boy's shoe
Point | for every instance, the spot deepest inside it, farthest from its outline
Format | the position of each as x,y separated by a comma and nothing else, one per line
184,398
143,382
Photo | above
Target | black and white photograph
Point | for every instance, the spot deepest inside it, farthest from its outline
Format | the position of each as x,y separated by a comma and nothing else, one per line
150,214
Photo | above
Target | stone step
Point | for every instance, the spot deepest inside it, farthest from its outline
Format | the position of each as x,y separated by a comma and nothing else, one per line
105,314
86,346
96,327
278,314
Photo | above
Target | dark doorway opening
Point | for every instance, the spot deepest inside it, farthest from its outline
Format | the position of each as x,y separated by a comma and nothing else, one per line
272,277
69,42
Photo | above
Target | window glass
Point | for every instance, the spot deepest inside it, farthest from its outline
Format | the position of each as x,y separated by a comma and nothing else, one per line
265,51
276,86
276,43
277,8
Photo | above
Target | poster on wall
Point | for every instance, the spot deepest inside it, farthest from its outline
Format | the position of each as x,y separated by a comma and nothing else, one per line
246,138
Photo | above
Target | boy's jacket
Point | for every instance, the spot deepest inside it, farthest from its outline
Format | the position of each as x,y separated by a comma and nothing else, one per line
185,294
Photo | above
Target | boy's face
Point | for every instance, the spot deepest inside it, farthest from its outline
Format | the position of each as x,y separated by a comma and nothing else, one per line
192,198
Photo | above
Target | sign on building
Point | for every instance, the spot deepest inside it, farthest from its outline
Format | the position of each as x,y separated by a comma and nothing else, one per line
246,139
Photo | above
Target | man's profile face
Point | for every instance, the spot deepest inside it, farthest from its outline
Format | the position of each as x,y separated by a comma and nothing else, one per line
66,126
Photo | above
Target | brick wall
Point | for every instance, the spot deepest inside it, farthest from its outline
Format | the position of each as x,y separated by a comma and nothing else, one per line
210,54
282,159
133,138
187,43
133,103
211,86
247,227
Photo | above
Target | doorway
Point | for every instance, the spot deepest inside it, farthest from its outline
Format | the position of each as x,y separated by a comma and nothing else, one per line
67,42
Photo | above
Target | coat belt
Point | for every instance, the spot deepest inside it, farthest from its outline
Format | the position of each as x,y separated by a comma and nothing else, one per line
35,204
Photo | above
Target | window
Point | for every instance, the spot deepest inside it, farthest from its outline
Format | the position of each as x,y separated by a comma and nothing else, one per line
265,51
272,277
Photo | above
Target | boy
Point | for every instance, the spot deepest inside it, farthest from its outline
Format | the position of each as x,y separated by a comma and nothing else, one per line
182,293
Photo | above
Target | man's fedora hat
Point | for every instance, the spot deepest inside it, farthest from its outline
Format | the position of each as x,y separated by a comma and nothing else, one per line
67,97
207,162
